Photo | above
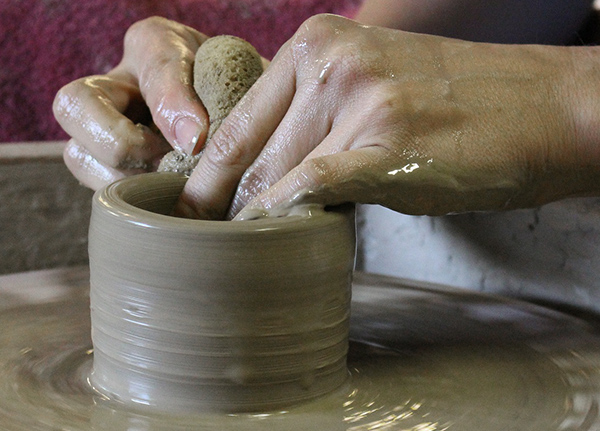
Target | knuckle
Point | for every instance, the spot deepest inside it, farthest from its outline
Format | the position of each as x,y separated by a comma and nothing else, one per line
163,75
60,106
120,147
343,67
147,76
315,32
326,46
157,101
142,29
251,184
384,106
314,25
346,57
223,149
67,98
316,171
321,25
160,89
71,152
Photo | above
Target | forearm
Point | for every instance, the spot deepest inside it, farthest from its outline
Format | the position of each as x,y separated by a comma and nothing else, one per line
559,143
581,96
500,21
550,128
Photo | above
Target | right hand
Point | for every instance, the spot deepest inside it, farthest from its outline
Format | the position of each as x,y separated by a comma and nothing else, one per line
417,123
110,117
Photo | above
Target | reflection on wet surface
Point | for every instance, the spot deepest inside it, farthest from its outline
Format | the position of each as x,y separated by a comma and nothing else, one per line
421,360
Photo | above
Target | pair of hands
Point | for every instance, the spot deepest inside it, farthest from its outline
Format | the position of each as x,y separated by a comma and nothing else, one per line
344,113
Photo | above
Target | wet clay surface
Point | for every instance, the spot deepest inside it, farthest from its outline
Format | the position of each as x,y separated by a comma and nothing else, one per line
193,315
445,360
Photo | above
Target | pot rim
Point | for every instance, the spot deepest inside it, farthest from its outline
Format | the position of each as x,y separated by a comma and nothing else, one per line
115,199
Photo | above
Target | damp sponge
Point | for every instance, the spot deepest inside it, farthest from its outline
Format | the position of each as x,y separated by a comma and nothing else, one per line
225,68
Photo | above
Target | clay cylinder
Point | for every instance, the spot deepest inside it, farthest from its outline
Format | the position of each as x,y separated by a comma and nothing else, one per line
231,316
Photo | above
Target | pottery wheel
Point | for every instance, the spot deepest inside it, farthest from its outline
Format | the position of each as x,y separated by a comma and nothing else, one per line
422,358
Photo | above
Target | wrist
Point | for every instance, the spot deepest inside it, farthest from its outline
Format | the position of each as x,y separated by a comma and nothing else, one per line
581,96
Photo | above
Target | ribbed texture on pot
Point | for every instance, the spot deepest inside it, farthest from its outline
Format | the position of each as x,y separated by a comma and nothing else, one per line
208,315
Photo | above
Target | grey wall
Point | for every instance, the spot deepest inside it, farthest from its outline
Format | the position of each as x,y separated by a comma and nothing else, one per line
549,254
44,214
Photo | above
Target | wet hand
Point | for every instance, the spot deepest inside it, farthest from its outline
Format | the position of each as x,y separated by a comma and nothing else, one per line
420,124
123,122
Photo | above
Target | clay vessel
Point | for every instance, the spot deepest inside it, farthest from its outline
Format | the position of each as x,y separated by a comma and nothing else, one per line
192,315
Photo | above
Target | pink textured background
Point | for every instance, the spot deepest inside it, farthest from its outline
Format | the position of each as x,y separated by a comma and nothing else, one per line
45,44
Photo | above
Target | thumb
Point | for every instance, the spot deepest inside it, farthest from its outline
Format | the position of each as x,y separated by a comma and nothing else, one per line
160,54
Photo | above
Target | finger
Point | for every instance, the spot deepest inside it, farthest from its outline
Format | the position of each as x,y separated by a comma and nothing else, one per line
318,124
92,109
239,140
160,54
89,170
304,128
328,180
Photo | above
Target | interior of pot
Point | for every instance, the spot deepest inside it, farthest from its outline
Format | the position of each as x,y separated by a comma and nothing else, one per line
157,193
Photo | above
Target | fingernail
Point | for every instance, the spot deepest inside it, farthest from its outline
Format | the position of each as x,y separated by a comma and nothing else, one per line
187,134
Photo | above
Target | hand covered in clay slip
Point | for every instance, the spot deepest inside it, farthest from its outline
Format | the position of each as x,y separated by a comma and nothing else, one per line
420,124
108,116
